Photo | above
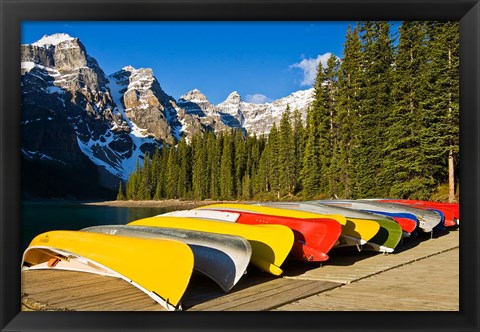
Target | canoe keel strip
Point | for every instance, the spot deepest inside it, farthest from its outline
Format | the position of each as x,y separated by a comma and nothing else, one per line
270,244
223,258
163,277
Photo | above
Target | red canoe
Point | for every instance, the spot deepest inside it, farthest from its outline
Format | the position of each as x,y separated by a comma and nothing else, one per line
451,211
408,225
313,237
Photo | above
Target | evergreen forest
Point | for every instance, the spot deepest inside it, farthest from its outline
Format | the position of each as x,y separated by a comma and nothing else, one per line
384,123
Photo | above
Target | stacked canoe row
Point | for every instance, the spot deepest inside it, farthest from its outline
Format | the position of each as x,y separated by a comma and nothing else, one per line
158,254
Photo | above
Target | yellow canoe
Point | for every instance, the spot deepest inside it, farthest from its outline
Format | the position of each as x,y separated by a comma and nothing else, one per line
271,244
354,232
160,268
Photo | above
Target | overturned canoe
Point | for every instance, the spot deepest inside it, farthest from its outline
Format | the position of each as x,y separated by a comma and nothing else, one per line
427,220
353,233
407,222
313,237
223,258
386,239
160,268
451,211
270,244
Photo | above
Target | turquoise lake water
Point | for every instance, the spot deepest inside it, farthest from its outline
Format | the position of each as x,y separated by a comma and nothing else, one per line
39,217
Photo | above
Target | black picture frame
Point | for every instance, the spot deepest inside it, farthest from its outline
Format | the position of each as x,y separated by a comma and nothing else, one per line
13,12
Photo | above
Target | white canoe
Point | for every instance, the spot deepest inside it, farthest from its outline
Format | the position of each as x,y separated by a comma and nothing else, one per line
223,258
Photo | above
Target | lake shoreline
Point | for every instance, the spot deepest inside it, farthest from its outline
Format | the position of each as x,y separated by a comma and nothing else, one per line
168,203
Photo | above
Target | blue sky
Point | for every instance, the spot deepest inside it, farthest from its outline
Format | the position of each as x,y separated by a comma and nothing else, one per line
263,61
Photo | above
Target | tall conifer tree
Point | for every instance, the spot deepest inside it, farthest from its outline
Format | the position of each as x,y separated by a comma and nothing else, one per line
171,174
404,166
227,171
330,153
312,170
348,105
375,103
286,157
199,169
298,137
273,160
240,161
441,119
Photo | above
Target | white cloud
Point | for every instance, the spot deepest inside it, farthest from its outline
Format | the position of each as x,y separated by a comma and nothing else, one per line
257,99
309,67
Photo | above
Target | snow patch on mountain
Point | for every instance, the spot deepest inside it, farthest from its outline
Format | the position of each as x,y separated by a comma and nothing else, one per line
53,40
259,118
36,155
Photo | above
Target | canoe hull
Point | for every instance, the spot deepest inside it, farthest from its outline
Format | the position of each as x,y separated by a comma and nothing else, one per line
270,244
427,219
138,261
313,237
223,258
352,233
450,210
385,240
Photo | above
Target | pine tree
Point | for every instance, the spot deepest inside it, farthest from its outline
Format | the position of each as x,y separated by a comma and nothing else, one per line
215,147
184,169
134,183
286,156
348,108
272,156
331,153
253,160
404,165
146,189
375,103
240,161
199,170
312,159
171,175
440,136
227,172
154,173
160,190
120,195
298,134
247,187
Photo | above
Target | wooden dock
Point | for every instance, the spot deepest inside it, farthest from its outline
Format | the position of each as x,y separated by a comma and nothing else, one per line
422,274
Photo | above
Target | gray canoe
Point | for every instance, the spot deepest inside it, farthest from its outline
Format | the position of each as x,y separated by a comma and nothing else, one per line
427,219
223,258
387,238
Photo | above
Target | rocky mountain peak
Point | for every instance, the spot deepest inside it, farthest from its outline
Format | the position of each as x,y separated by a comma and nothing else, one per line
128,68
53,40
142,78
194,96
233,98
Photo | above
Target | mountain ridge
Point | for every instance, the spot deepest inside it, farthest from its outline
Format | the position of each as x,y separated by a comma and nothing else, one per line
72,111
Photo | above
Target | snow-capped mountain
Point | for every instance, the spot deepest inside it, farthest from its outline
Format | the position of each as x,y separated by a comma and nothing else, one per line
69,115
74,116
259,118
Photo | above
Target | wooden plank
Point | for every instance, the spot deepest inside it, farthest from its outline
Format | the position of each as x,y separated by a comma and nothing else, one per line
382,282
430,284
346,267
266,296
86,292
